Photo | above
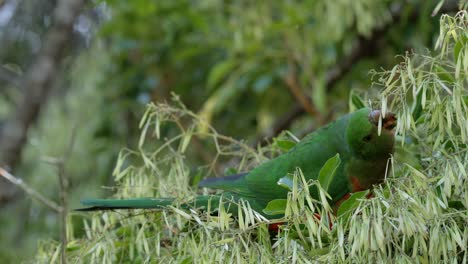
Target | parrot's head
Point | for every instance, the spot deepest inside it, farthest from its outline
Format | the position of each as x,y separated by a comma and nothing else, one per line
363,136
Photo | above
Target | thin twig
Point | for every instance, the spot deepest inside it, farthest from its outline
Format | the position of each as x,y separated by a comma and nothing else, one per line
33,193
292,82
63,185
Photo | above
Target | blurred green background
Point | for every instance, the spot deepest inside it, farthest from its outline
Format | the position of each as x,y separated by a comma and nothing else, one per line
250,68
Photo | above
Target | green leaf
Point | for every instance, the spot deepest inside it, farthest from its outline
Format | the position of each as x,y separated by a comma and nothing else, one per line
443,74
459,46
220,71
187,260
285,144
345,209
417,105
328,171
196,179
355,101
73,246
276,207
319,251
286,182
230,171
458,205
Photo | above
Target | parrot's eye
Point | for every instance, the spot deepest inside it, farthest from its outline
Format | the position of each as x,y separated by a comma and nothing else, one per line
367,138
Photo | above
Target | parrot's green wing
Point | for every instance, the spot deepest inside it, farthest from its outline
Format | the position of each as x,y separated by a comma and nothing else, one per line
309,155
363,153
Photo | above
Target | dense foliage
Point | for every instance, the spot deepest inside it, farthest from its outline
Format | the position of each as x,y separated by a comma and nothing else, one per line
252,61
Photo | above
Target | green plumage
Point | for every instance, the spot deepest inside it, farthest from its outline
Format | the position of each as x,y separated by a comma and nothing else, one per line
364,155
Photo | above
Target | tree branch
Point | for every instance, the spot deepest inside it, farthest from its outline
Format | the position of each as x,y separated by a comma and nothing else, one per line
294,87
37,84
63,184
292,82
33,193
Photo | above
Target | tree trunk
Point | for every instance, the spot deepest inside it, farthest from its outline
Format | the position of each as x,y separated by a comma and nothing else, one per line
37,84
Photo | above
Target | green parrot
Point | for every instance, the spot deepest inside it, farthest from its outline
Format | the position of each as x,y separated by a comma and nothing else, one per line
363,152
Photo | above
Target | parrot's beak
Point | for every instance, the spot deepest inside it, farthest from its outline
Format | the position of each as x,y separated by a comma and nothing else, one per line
389,121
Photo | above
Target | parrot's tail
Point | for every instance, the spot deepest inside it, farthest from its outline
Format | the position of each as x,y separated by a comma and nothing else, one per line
207,201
